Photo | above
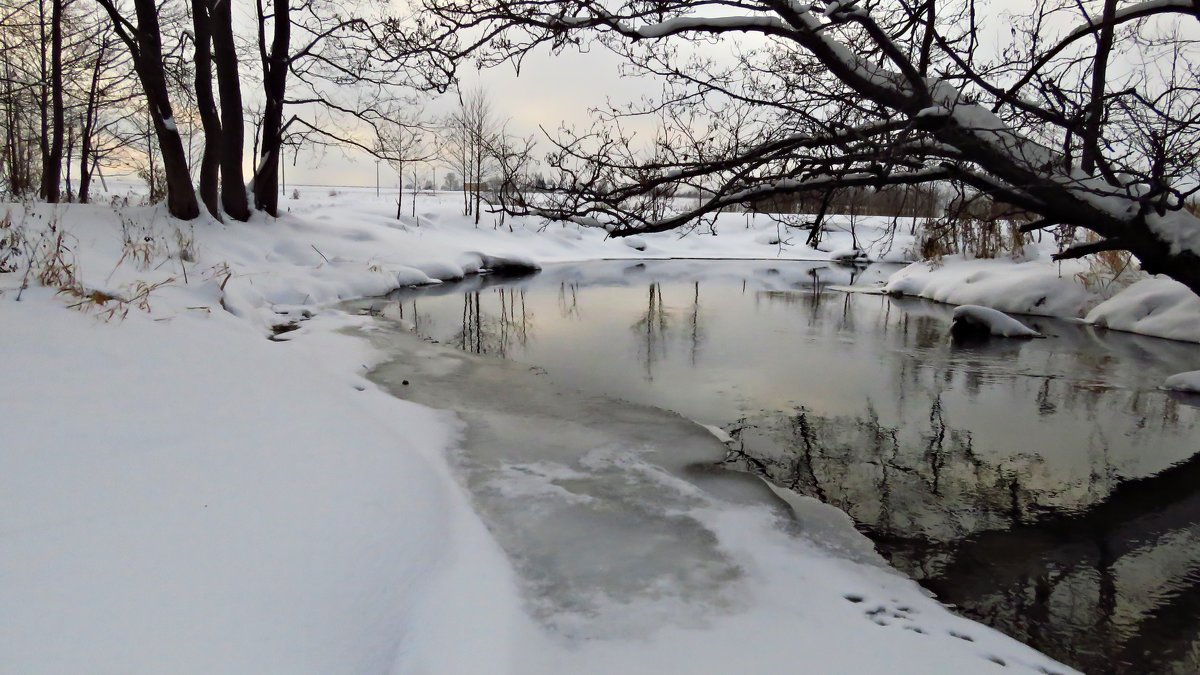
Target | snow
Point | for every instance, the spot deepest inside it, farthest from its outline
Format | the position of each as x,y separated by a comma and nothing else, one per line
1156,306
183,494
994,322
1187,382
707,24
1032,287
850,254
1179,229
1136,302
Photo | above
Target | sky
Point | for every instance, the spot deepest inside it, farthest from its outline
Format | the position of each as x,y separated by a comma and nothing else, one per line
550,89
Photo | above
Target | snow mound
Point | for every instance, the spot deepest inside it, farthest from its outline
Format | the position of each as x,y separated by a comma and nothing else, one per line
509,264
636,243
441,270
411,276
848,255
1159,307
1189,382
977,320
1037,287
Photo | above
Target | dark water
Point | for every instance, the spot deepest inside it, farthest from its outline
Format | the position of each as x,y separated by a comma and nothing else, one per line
1046,488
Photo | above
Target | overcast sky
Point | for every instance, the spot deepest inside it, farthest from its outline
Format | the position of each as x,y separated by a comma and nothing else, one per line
549,91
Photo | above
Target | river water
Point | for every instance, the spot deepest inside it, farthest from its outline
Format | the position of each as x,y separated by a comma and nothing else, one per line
1046,488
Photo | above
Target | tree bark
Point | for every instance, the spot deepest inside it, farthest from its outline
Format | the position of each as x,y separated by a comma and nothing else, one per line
87,129
233,183
181,198
52,161
145,47
210,164
275,67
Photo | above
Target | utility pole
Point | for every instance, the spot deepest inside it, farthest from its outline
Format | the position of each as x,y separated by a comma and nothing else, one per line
376,178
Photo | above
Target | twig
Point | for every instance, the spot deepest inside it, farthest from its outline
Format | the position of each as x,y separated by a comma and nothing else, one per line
320,254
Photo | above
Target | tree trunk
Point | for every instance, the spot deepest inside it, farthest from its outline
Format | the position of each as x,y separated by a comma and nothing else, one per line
210,164
43,96
87,128
181,198
266,177
145,47
400,191
70,150
52,159
233,183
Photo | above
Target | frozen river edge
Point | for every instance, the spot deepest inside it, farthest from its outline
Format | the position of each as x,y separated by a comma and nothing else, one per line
634,552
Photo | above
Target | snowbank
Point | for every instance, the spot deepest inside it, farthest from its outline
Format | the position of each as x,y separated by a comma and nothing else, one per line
182,495
1157,306
1034,287
1154,306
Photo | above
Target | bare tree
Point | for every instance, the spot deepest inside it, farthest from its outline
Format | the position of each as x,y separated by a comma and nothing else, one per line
514,161
332,77
408,141
1087,118
21,73
225,60
274,71
53,115
456,154
144,42
210,163
471,131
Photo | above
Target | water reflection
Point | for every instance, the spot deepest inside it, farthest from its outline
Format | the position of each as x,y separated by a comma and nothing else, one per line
494,333
1046,487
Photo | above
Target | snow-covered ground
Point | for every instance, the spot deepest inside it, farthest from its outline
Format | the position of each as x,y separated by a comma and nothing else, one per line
182,494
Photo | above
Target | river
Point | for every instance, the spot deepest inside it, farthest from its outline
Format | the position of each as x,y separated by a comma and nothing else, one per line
1046,488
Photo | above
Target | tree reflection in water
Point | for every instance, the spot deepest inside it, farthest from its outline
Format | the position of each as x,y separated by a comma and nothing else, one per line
1022,482
1104,575
495,333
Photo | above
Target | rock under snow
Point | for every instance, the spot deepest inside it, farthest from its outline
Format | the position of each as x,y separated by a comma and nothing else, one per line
977,321
848,255
636,243
1189,382
509,264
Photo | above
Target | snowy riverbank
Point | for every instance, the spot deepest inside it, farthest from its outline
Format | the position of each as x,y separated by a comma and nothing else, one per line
183,494
1135,302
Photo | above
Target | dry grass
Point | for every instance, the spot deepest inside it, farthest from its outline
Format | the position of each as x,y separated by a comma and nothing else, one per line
968,235
12,243
109,306
49,260
1108,271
